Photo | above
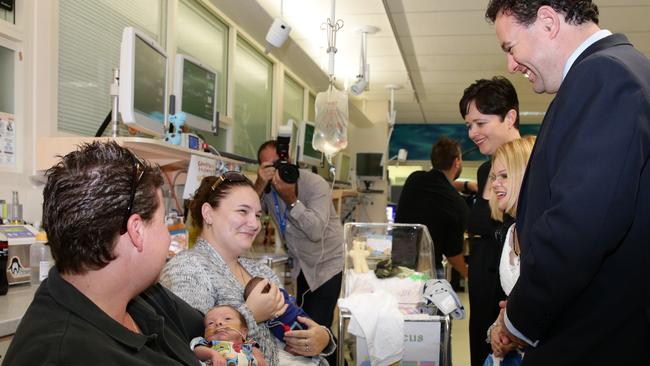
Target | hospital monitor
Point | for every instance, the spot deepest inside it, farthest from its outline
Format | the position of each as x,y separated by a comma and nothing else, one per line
305,151
195,88
143,83
368,166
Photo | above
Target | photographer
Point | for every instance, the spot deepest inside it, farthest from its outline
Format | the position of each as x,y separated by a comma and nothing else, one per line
301,205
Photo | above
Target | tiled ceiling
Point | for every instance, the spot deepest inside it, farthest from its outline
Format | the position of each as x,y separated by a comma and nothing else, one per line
433,49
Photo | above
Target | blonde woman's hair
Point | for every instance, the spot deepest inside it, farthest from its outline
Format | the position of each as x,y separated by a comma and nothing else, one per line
514,155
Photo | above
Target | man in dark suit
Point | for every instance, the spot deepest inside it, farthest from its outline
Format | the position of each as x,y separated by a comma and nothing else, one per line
583,297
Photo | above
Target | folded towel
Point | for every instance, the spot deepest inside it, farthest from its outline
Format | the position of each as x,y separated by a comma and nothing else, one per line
376,317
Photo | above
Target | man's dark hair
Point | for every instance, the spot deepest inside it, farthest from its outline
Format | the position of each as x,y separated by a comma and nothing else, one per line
86,199
205,193
443,153
270,143
575,12
494,96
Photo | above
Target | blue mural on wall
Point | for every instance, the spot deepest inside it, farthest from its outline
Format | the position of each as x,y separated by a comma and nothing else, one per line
418,138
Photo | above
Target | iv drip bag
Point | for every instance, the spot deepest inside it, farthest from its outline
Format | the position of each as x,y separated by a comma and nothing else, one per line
331,131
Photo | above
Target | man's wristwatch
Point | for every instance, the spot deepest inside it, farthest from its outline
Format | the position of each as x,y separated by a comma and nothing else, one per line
291,206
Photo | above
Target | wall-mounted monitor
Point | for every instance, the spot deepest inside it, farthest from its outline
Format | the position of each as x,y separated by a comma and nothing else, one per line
368,166
143,83
305,151
195,88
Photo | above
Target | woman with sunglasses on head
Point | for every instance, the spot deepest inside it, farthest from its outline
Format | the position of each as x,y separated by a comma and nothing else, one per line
506,175
227,212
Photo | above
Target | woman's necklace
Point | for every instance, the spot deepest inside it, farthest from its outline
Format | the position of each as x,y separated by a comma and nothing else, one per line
241,273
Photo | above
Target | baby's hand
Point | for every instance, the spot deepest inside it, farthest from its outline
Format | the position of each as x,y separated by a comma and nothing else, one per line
210,356
259,357
217,359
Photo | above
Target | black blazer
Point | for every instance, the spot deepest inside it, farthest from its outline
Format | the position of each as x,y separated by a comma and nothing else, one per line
584,217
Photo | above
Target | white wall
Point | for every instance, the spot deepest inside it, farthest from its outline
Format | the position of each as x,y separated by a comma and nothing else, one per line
371,138
36,70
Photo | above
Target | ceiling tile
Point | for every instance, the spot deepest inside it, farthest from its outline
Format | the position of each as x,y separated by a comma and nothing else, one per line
456,62
444,23
454,45
412,6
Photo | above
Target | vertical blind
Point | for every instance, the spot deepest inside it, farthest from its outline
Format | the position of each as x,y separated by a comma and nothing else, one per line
200,34
90,33
253,98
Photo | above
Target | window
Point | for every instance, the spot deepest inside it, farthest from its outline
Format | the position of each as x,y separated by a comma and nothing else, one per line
292,109
202,35
90,33
7,72
293,100
311,108
253,98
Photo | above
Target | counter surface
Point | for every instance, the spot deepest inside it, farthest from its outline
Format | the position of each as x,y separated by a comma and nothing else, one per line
13,306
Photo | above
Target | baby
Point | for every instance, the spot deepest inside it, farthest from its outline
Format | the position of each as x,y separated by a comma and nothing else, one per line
225,340
286,321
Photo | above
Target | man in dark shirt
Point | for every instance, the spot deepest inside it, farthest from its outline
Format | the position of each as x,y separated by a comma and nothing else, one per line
429,198
104,215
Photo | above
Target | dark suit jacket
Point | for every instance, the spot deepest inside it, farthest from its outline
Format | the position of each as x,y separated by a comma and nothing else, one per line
584,217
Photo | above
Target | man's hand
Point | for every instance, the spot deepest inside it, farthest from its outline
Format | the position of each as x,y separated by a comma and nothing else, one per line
265,174
498,348
286,191
505,337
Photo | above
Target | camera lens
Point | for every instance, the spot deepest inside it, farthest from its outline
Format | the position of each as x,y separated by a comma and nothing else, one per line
288,172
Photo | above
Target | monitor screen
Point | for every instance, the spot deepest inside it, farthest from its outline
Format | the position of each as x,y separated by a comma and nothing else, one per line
369,167
143,82
195,87
306,152
149,81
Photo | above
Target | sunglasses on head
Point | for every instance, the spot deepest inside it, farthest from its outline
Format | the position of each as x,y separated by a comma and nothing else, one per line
138,172
228,177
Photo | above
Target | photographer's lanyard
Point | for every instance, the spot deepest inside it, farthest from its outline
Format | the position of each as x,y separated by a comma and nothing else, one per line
282,219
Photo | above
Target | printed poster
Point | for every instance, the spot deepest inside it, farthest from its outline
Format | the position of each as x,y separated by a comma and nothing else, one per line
7,140
199,167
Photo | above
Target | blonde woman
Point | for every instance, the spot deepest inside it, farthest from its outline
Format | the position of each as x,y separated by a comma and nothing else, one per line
506,175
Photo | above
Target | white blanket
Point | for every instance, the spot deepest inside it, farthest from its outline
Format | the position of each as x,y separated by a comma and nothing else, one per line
376,317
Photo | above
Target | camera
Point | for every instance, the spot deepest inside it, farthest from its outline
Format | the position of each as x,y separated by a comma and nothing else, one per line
288,172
